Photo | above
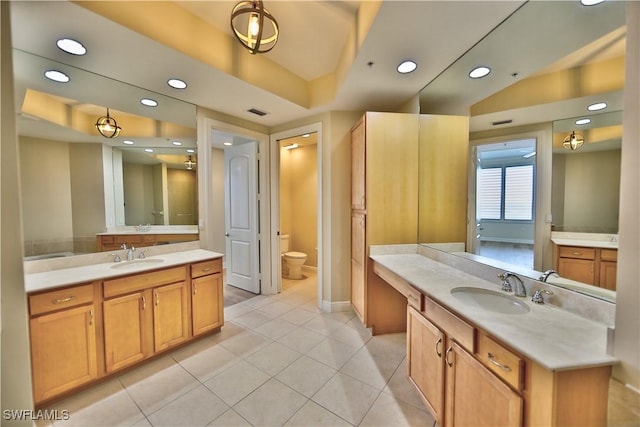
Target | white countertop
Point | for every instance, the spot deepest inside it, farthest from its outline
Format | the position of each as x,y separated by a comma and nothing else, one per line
554,338
87,273
587,240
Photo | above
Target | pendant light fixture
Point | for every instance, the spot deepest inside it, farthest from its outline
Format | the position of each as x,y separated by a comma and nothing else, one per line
254,26
107,126
573,141
190,163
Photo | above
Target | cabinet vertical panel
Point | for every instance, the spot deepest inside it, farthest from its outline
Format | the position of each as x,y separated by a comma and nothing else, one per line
358,189
206,303
478,398
608,274
63,351
170,315
124,330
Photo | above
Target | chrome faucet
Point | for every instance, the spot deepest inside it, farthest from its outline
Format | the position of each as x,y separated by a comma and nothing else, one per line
545,276
130,250
520,291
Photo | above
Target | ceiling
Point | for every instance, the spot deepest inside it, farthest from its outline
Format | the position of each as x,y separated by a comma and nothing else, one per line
331,55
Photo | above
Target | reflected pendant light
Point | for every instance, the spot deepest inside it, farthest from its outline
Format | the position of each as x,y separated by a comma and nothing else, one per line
189,163
573,141
254,26
107,126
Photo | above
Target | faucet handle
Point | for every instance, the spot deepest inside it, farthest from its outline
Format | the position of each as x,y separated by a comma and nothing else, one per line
123,246
537,295
143,253
116,258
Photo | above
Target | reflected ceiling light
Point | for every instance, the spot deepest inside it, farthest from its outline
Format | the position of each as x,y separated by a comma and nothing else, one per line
479,72
597,106
306,135
56,76
529,155
191,150
149,102
128,142
177,83
583,121
149,150
71,46
190,163
107,126
177,143
590,2
227,143
254,27
290,146
573,141
406,67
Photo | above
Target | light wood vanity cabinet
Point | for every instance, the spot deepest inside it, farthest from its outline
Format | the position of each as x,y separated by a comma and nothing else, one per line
593,266
113,242
82,333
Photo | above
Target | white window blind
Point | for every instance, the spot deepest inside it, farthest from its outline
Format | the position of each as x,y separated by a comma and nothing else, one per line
489,193
518,192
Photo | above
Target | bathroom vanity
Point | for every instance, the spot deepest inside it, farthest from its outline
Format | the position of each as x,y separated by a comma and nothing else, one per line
91,321
111,241
477,364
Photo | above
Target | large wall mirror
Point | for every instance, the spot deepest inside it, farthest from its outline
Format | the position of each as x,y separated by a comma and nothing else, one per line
549,78
75,183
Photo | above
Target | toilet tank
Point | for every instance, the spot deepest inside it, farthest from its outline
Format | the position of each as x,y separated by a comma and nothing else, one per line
284,243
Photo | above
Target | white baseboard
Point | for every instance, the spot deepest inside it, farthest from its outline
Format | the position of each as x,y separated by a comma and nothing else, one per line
333,307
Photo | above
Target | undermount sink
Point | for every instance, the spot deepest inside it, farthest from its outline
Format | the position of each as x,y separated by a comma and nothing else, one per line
137,263
490,300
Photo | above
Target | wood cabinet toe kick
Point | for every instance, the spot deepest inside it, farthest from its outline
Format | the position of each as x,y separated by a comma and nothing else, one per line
465,376
84,333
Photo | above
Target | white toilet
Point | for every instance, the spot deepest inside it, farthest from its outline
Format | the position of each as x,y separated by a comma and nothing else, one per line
291,261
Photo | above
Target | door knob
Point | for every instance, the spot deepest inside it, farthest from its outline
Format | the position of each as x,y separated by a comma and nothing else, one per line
226,234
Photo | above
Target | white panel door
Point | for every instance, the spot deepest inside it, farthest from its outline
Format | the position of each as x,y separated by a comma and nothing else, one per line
241,217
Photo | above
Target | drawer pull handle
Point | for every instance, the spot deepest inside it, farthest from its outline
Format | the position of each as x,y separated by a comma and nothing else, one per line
438,352
144,303
206,269
446,356
576,253
498,364
61,300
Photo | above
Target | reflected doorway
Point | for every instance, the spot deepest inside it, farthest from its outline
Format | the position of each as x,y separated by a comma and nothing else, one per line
505,193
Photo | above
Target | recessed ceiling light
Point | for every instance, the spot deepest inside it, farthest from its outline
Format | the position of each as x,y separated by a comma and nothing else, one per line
128,142
56,76
177,83
177,143
227,143
71,46
149,150
590,2
149,102
583,121
597,106
479,72
191,150
407,66
291,146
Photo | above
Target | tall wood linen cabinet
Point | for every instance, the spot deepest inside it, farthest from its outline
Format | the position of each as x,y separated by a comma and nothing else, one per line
389,154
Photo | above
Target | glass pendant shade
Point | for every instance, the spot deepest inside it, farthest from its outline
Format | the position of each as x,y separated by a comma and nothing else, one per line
107,126
573,141
254,27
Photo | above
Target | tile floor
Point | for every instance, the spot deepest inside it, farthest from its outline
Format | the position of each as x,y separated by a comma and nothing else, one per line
277,361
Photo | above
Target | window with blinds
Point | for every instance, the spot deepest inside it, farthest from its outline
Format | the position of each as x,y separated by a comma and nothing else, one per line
505,193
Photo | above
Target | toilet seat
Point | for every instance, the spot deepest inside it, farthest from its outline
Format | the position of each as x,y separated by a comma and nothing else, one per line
295,255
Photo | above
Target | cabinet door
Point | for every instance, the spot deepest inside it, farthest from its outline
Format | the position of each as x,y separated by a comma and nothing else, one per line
206,303
63,351
475,396
608,273
358,263
581,270
358,188
124,330
170,315
425,362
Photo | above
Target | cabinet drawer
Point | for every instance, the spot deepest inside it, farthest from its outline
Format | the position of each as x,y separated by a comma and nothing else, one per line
60,298
501,361
608,254
108,240
206,267
143,281
577,252
128,238
462,332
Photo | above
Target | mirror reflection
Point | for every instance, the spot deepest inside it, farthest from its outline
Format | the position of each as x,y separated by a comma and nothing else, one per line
79,188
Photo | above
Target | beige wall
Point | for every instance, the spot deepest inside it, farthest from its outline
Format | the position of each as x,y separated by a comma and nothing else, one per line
627,336
182,196
87,188
299,199
15,372
139,194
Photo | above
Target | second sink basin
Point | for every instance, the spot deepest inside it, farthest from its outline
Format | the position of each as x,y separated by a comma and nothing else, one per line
137,263
490,300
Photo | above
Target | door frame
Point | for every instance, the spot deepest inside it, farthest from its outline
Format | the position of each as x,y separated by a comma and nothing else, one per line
212,236
276,266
